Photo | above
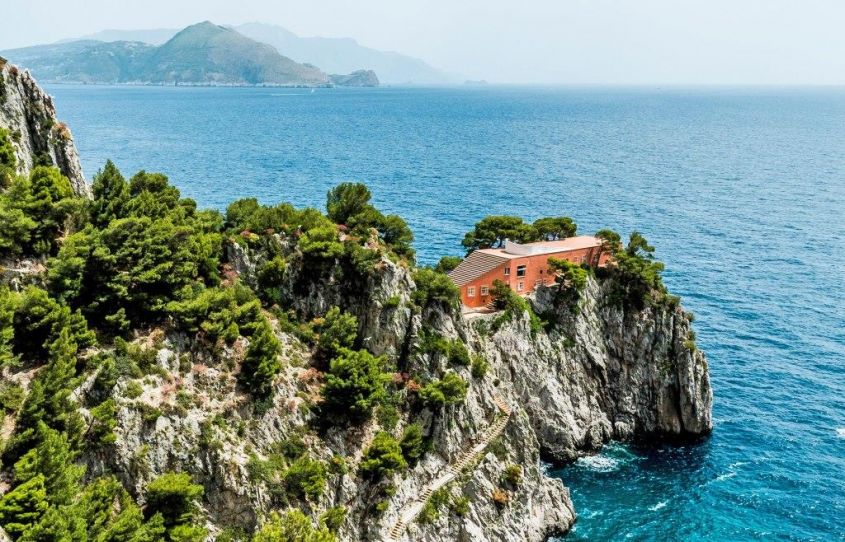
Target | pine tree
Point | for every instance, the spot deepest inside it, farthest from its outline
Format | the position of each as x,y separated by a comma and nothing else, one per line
53,460
23,506
261,362
111,194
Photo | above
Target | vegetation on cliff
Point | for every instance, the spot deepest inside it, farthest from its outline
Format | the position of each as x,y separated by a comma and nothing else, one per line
82,347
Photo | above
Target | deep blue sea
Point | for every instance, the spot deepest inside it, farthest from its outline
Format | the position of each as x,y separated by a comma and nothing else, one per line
741,190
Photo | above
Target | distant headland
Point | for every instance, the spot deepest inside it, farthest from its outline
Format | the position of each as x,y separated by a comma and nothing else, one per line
207,54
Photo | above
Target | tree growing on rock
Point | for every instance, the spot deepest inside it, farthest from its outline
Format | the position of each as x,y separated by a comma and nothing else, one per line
354,385
554,228
383,457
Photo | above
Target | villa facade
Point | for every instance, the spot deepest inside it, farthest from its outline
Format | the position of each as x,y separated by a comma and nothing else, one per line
522,267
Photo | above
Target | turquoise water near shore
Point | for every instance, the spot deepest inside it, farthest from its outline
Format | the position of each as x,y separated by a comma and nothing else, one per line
742,191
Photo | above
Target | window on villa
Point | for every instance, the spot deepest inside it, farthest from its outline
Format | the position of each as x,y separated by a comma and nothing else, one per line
537,283
520,271
507,271
471,291
484,290
520,286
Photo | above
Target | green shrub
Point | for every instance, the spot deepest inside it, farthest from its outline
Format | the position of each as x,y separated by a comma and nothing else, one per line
23,506
173,495
412,443
434,287
305,478
458,354
448,263
333,518
637,275
35,211
433,343
382,458
435,503
387,415
321,243
460,506
187,533
338,330
261,363
8,162
292,447
270,279
354,385
513,475
363,260
392,302
217,313
449,390
104,421
337,465
292,526
126,272
248,215
571,278
347,200
37,321
512,304
479,366
111,195
133,390
50,403
11,396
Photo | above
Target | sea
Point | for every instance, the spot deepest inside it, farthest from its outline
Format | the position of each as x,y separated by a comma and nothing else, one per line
741,191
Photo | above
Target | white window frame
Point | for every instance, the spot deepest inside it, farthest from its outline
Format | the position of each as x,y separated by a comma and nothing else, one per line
484,291
524,269
507,271
520,285
470,291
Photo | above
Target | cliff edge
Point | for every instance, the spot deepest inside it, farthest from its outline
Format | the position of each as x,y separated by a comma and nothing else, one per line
28,113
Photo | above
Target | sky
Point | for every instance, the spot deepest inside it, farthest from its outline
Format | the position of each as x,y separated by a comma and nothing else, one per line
651,42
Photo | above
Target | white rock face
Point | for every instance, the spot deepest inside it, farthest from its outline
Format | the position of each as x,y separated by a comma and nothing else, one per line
599,373
27,112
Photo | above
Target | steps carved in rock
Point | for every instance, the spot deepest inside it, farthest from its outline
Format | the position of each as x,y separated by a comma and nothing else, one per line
412,509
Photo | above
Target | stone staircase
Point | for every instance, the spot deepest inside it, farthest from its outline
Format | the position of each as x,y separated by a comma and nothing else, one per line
409,512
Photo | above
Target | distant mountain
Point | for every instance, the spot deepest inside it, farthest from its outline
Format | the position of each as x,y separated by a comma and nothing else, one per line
345,55
201,54
84,61
153,36
209,53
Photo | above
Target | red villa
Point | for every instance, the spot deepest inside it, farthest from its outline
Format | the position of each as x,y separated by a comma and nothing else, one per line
523,267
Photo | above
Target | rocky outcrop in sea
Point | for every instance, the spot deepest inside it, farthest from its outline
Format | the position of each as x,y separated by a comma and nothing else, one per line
360,78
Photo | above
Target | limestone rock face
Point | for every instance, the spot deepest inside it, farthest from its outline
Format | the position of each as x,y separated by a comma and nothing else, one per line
28,113
600,372
603,373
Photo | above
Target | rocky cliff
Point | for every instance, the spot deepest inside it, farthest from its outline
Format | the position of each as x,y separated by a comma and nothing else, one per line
28,113
599,372
360,78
